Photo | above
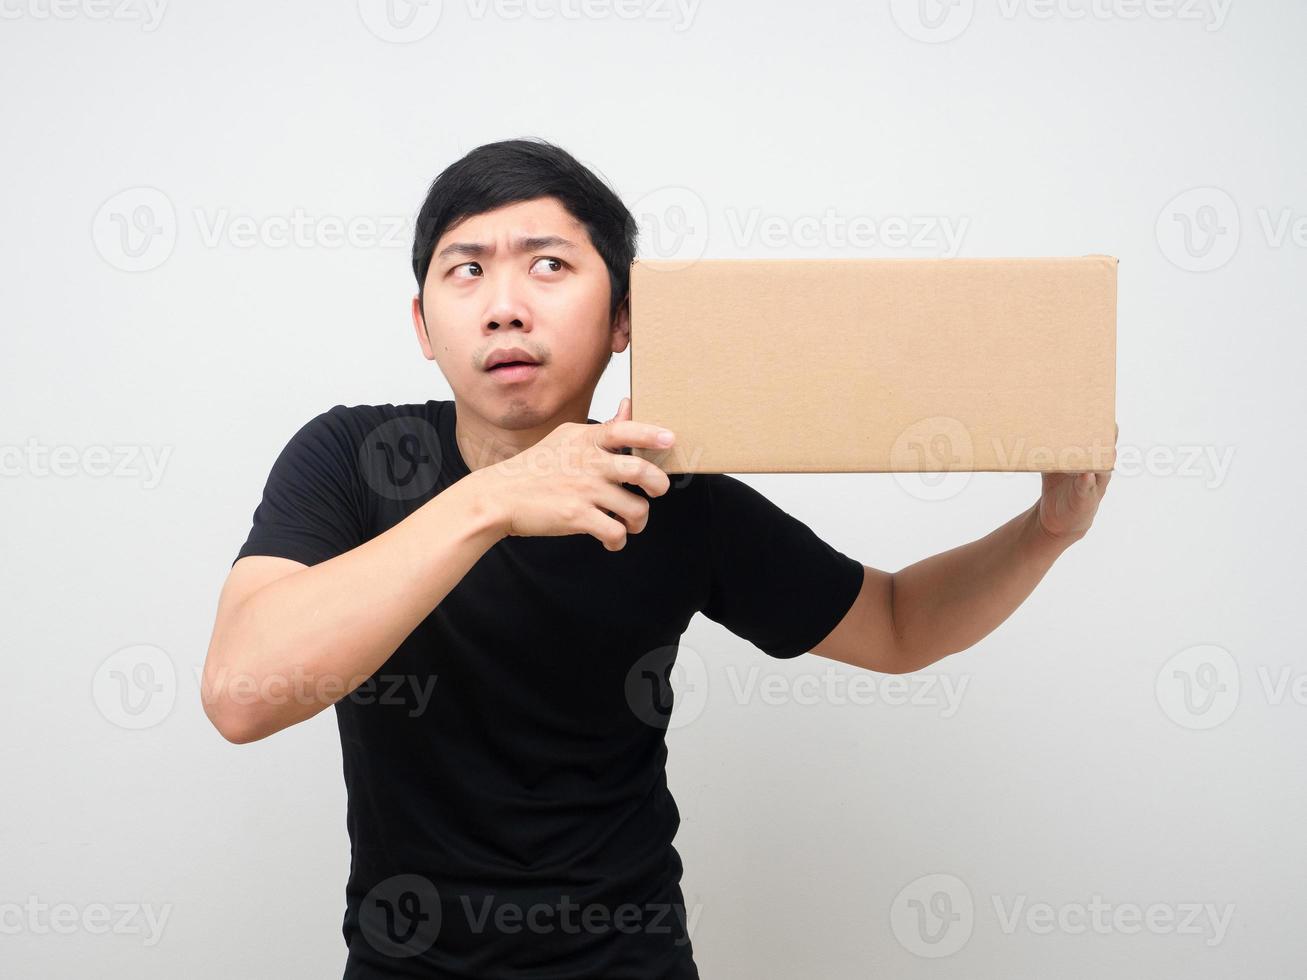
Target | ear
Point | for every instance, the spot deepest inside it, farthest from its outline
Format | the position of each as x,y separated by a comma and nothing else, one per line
621,329
420,326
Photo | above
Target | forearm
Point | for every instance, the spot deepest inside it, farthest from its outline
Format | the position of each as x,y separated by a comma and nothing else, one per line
949,602
307,639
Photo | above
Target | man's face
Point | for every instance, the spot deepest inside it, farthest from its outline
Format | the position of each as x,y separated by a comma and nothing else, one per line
523,276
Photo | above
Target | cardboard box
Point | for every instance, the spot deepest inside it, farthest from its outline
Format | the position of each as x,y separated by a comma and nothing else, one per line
877,365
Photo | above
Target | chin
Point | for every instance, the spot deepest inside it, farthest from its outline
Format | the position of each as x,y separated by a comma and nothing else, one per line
518,410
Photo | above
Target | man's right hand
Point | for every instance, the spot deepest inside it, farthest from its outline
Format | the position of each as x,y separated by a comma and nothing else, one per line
570,482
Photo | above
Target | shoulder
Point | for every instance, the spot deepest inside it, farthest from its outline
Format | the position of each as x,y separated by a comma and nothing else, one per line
726,491
342,438
363,417
349,426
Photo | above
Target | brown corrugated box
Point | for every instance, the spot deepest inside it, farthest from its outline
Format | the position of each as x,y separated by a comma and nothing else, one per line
877,365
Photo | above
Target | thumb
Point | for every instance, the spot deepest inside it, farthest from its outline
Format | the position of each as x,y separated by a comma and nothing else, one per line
623,411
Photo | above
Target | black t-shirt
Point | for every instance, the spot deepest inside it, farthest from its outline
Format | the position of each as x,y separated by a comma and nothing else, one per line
508,810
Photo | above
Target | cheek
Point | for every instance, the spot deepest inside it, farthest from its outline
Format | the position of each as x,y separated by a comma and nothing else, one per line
450,350
443,319
583,306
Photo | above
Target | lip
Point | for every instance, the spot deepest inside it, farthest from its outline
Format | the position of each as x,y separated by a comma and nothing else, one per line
515,373
507,354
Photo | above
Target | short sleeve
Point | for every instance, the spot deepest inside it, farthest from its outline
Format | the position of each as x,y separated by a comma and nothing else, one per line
312,506
773,581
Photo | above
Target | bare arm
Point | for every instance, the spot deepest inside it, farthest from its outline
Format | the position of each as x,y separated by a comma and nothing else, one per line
290,639
946,603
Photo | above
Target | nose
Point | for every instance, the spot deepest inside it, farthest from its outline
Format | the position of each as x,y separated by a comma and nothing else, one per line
507,308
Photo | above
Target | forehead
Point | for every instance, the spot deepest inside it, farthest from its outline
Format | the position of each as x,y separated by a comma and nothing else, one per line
537,217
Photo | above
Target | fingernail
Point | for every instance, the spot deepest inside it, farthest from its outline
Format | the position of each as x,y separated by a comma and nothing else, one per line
665,438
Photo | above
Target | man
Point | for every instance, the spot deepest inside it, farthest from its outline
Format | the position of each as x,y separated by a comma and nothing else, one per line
490,590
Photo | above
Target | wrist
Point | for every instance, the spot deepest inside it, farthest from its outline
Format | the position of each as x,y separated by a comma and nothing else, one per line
486,513
1045,539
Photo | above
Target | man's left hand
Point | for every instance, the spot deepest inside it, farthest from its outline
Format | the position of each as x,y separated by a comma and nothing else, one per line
1069,502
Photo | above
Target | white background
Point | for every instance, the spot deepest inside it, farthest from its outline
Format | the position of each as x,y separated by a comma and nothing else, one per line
1132,736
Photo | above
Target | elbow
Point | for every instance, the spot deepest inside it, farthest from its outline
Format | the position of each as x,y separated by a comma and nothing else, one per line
236,718
240,734
235,723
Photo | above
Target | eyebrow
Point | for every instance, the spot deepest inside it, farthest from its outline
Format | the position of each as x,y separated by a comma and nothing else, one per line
525,244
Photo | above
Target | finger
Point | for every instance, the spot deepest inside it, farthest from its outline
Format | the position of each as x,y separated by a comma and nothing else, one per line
1089,484
611,533
623,414
616,434
629,508
639,472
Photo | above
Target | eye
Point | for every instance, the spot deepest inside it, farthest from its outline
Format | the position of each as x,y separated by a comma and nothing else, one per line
454,271
549,258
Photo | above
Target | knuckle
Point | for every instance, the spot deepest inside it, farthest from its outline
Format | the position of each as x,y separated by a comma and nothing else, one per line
658,479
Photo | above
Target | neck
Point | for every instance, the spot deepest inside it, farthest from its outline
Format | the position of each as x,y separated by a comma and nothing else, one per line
484,442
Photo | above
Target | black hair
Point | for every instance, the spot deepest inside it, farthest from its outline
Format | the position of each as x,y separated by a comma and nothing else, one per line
509,171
